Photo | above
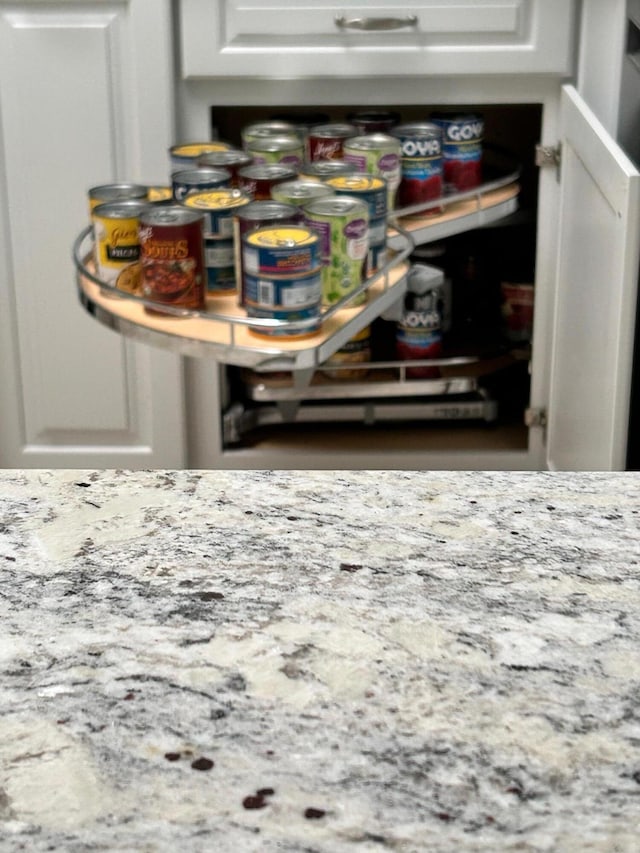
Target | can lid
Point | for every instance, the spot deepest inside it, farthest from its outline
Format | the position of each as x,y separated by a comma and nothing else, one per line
262,209
112,192
171,215
337,206
222,199
372,141
126,208
357,183
292,236
189,176
195,149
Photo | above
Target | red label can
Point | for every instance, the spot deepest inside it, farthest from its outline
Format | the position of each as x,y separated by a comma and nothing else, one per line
326,141
172,257
259,178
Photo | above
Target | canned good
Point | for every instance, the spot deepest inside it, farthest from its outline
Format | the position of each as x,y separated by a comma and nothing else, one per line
326,141
374,121
277,149
308,319
117,245
186,154
291,291
421,153
232,160
377,154
419,331
189,180
320,170
342,224
264,129
280,250
259,179
462,137
356,351
172,257
369,188
300,192
159,195
115,192
218,207
517,311
219,260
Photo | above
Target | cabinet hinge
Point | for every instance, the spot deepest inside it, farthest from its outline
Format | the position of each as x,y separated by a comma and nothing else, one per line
549,155
535,417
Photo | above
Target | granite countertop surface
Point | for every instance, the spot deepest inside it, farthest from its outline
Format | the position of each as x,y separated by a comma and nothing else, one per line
319,661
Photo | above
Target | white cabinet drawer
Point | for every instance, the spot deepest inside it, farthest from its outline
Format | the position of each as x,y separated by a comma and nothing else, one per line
322,38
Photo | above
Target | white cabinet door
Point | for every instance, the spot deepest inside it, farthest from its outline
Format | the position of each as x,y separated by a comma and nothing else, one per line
372,38
73,394
596,296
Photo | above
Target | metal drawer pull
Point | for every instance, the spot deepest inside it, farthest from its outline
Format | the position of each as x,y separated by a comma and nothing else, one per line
369,24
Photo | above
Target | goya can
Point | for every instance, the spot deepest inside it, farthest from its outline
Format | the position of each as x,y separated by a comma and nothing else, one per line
218,207
320,170
377,154
186,154
419,331
189,180
115,192
280,250
232,160
287,149
259,179
326,141
373,191
342,224
300,192
117,244
462,137
160,195
172,257
421,164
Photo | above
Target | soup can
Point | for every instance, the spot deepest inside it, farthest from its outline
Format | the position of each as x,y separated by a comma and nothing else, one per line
300,192
326,141
422,166
159,194
342,224
287,149
265,129
232,160
373,121
259,179
462,137
117,244
172,257
218,206
377,154
190,180
321,170
115,192
185,155
280,250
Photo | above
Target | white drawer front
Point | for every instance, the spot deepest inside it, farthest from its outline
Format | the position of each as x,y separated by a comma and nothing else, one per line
270,38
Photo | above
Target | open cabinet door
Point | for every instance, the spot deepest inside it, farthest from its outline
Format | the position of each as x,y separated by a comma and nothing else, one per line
596,296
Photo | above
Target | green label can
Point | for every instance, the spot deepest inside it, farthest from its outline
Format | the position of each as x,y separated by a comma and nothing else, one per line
377,154
342,224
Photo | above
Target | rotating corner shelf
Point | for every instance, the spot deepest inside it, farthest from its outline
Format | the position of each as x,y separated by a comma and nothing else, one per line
223,331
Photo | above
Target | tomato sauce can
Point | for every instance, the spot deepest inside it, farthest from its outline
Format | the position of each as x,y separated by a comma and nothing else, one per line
232,160
299,192
259,179
287,149
342,224
172,257
421,164
462,137
377,154
186,154
115,192
280,250
189,180
326,141
117,244
218,207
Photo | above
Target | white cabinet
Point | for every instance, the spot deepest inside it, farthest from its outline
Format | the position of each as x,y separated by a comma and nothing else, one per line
246,38
85,98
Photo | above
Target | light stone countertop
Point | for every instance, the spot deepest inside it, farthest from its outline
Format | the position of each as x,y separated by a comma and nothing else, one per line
331,662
